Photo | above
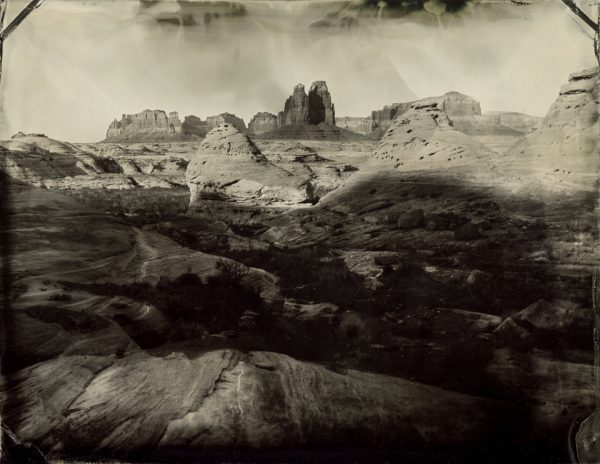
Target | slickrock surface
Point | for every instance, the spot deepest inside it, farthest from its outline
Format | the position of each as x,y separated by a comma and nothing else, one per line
228,165
563,152
424,137
229,399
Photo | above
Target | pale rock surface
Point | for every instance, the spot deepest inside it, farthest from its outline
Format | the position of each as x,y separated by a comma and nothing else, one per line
563,152
424,137
229,399
262,122
147,125
228,165
359,125
225,118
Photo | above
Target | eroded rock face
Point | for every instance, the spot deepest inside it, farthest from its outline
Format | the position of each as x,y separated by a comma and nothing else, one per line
563,151
382,119
295,110
147,125
262,122
465,114
359,125
424,137
229,166
225,118
313,108
193,125
229,399
320,107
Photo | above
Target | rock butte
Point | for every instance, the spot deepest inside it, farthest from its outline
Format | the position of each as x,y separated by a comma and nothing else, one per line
155,126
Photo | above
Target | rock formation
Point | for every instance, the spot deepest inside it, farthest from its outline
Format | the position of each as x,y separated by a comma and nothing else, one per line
314,108
295,109
194,126
228,165
152,125
425,137
157,126
320,107
382,119
359,125
225,118
563,151
262,122
465,115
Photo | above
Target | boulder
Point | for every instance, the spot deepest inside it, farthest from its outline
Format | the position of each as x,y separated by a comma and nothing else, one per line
559,315
411,220
468,231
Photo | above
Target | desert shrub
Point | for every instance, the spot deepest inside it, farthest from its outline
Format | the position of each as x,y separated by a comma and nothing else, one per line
145,202
192,306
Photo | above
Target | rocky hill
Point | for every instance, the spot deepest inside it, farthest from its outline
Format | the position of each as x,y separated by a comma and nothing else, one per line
425,136
228,165
563,152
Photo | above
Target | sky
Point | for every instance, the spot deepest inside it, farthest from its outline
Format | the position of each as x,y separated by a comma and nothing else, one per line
75,65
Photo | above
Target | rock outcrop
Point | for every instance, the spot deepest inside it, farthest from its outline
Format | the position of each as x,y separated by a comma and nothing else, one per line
359,125
563,151
157,126
229,166
382,119
424,137
465,114
295,109
149,125
320,106
194,126
225,399
262,122
226,118
314,108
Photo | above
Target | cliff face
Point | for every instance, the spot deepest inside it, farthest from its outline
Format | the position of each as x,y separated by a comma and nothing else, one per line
465,115
147,125
359,125
262,122
320,106
382,119
295,109
425,136
225,118
563,151
193,125
156,126
313,108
